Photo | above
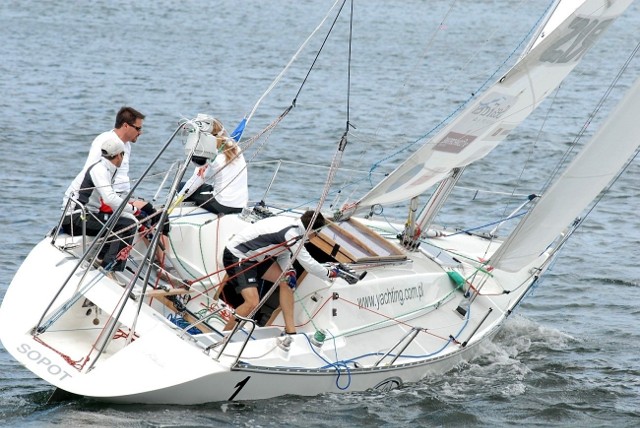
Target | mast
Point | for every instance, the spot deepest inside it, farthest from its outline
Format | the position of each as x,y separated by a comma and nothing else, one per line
415,230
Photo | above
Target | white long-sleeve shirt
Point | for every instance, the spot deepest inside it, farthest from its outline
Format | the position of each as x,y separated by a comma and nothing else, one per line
275,237
198,178
230,186
96,187
121,183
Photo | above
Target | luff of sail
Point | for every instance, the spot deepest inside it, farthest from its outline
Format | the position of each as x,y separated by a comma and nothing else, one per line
487,121
592,169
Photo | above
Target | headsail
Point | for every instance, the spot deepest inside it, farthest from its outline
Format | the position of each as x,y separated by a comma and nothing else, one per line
487,121
588,174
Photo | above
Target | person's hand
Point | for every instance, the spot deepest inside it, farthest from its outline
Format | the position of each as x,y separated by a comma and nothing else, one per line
290,279
333,273
140,214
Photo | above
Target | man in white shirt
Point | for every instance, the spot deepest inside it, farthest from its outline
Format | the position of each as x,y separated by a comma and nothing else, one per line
128,127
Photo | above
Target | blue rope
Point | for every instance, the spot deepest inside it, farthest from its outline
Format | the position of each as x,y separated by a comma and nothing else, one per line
182,323
489,224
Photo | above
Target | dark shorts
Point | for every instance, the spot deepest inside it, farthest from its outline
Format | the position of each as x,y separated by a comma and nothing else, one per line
242,275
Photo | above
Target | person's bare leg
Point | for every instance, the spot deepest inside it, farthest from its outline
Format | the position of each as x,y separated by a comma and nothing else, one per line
161,250
251,300
286,304
273,273
160,253
164,241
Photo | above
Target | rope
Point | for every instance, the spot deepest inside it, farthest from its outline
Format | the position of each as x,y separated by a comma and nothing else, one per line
332,170
291,61
394,319
472,229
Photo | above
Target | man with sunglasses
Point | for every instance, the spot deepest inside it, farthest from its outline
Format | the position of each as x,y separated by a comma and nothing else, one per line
128,127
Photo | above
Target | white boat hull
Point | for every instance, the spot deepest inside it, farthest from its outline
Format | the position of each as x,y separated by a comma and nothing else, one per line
397,325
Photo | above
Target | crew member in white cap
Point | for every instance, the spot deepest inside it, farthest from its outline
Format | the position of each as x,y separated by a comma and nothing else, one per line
97,194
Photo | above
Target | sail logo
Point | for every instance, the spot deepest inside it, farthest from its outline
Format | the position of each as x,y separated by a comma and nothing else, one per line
482,117
493,108
575,43
454,142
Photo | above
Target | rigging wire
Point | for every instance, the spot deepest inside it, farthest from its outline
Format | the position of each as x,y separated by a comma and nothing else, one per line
579,221
469,99
348,102
574,144
464,104
333,24
248,142
295,56
592,115
330,176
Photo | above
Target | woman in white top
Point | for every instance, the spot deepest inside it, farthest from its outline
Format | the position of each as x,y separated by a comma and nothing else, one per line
227,172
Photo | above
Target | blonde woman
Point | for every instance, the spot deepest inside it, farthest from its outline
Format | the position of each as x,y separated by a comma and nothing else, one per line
227,173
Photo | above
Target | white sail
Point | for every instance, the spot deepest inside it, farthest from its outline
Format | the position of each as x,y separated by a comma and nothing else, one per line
588,174
560,11
487,121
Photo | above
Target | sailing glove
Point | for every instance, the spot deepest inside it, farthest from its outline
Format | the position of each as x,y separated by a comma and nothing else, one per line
290,279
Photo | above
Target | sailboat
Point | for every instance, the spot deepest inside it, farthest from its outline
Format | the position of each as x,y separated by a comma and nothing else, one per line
402,307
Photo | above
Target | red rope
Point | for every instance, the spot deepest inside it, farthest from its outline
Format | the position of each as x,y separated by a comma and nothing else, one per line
73,363
310,318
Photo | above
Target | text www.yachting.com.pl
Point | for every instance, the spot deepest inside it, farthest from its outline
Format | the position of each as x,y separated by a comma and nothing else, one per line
391,296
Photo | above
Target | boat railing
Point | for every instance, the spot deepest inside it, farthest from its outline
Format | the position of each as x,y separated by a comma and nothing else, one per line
225,342
200,321
78,207
409,337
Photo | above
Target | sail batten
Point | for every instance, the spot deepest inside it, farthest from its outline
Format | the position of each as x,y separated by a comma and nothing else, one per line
488,120
589,173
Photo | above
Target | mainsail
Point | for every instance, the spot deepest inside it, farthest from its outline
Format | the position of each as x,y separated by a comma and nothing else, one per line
487,121
594,167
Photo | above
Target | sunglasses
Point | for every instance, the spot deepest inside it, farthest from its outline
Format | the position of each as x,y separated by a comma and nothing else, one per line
137,128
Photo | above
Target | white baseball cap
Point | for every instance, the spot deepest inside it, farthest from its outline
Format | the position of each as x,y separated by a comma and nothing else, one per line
112,147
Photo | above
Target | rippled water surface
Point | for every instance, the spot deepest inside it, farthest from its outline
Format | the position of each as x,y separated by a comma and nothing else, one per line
568,357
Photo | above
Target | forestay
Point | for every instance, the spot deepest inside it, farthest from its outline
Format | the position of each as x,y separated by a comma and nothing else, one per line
588,174
487,121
